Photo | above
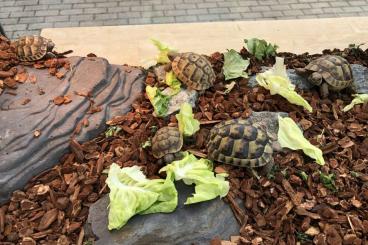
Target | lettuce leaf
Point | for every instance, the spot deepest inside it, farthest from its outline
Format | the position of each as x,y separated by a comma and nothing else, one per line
163,51
291,136
159,101
132,193
188,125
277,81
234,65
198,172
359,99
172,82
260,48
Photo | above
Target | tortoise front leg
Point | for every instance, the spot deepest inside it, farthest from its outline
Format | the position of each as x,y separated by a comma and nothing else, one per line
324,90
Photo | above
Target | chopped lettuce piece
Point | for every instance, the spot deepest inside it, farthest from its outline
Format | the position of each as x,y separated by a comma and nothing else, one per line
234,65
229,87
328,180
291,136
159,101
132,193
188,125
146,144
277,81
260,48
112,131
163,51
198,172
359,99
172,82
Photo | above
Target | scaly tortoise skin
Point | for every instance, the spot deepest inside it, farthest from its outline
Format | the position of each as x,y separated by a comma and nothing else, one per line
193,70
237,142
32,48
330,72
167,143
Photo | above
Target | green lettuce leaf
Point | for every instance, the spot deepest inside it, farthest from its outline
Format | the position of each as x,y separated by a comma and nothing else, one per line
198,172
159,101
132,193
277,81
234,65
163,51
359,99
188,125
290,136
172,82
260,48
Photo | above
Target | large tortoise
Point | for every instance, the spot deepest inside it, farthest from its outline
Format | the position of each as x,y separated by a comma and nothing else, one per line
330,72
32,48
194,70
240,143
166,144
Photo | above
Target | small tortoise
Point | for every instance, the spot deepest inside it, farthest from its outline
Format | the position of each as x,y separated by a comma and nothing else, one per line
238,142
194,70
166,144
330,72
32,48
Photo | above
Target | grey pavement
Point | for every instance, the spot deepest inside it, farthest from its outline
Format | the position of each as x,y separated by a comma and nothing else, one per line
20,17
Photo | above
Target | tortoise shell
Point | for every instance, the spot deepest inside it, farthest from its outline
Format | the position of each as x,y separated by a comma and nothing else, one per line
31,48
237,142
166,140
193,70
335,70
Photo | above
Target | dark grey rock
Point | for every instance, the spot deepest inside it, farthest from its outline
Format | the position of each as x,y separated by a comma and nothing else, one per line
185,95
360,83
269,121
22,156
188,224
360,75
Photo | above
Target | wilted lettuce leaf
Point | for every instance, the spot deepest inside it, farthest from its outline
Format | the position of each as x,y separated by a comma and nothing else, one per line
234,65
159,101
260,48
359,99
172,82
163,51
198,172
290,136
277,81
188,125
132,193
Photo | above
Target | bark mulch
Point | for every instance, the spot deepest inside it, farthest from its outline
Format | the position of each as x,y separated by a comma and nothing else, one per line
298,201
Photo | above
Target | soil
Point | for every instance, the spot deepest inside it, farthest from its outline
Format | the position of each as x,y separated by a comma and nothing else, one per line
298,201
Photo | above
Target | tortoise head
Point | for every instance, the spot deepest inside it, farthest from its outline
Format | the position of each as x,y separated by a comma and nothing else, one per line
172,55
50,45
316,78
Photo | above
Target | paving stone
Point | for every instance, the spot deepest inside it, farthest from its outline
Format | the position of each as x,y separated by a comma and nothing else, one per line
47,13
19,13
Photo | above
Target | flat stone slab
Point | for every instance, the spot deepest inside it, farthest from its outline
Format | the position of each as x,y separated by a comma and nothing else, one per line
131,44
22,155
188,224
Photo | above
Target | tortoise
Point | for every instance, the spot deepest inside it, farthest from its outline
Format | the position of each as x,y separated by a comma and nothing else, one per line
32,48
194,70
166,144
240,143
330,72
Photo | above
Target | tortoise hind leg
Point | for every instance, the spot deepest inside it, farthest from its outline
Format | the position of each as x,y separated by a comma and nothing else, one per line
324,90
